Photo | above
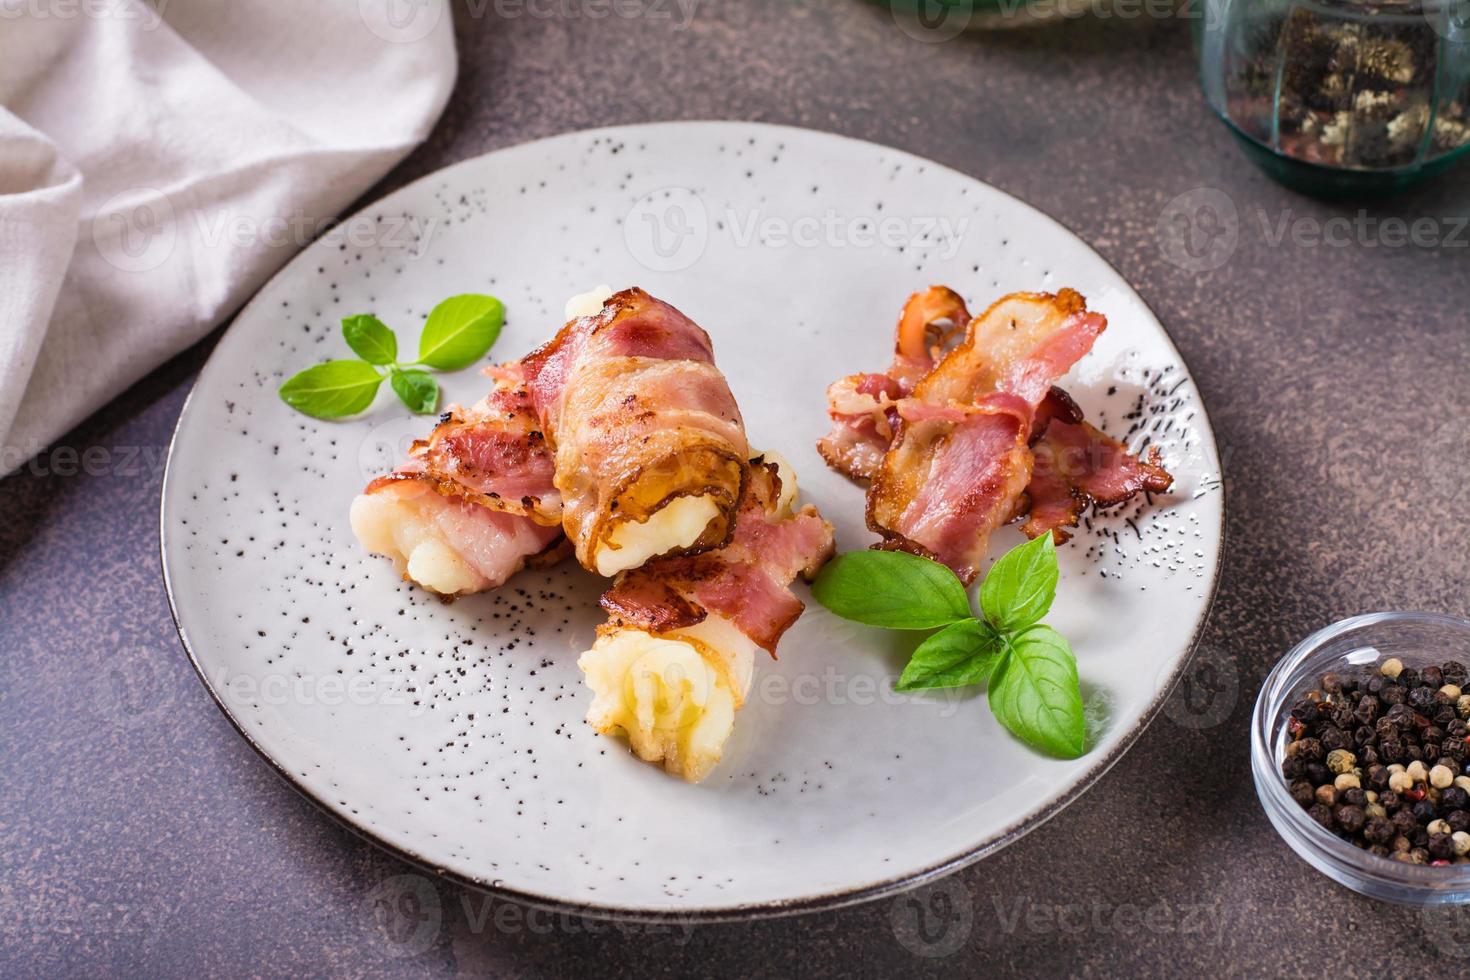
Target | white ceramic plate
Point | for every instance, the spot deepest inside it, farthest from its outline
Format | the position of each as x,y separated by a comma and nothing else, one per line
453,734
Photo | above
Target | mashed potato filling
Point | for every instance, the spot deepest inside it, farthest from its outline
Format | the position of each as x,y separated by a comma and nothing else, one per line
589,303
392,526
674,695
678,524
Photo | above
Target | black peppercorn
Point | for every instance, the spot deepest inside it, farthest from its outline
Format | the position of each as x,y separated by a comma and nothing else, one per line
1441,846
1364,735
1423,811
1292,768
1303,792
1309,749
1351,818
1390,750
1432,677
1366,711
1389,800
1404,822
1454,798
1391,694
1318,773
1304,711
1454,673
1354,796
1378,830
1367,755
1422,699
1322,814
1377,777
1335,738
1452,765
1331,683
1408,678
1444,715
1458,820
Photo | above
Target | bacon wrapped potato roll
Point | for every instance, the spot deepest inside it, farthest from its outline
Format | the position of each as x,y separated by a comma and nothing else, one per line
674,661
650,449
473,503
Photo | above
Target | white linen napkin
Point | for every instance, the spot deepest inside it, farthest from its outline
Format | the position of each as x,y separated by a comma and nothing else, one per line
158,162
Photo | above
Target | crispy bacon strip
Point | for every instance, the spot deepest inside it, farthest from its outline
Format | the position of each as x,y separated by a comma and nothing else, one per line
747,581
862,405
1077,465
637,415
493,453
960,460
955,444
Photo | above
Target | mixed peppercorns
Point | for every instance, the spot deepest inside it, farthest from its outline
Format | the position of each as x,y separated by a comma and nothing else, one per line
1380,759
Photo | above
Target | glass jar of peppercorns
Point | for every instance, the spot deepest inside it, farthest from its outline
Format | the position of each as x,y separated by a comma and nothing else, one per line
1361,754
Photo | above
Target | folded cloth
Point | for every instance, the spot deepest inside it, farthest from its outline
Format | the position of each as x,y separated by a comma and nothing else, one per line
158,162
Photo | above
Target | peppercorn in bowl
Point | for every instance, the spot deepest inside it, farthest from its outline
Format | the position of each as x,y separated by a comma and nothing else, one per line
1360,750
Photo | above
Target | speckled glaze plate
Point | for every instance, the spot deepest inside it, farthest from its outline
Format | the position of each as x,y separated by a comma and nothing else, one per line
453,734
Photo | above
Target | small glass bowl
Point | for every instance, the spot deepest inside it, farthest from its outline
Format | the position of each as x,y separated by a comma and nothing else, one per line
1417,639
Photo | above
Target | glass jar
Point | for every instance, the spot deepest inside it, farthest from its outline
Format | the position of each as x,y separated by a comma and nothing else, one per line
1352,645
1339,97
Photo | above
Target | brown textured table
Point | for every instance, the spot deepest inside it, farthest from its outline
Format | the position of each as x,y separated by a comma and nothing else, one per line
139,834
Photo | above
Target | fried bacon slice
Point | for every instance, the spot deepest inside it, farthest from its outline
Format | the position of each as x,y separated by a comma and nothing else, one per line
674,661
649,446
863,406
956,443
473,503
1077,465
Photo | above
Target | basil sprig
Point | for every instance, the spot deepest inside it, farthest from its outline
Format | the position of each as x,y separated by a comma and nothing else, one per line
458,332
1028,668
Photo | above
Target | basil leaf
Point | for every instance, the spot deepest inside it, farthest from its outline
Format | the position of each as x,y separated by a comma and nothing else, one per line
958,655
891,589
370,339
332,390
418,390
1035,693
460,330
1020,587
